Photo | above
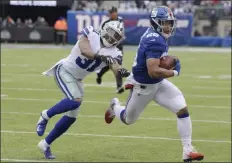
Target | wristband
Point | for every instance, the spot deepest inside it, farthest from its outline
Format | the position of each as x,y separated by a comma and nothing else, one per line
96,56
175,73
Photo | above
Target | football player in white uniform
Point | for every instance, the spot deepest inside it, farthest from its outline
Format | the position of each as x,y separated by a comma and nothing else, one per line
147,82
92,51
113,16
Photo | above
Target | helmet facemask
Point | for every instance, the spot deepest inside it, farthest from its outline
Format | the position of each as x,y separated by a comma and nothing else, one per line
166,27
111,36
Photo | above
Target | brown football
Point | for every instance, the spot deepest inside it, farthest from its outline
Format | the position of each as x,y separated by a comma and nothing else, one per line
167,62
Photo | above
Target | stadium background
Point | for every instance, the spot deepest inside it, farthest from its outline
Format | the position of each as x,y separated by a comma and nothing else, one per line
28,47
200,23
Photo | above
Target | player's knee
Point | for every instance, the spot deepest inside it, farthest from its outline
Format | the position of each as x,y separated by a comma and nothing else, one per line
130,121
72,113
125,119
74,103
68,122
182,113
78,100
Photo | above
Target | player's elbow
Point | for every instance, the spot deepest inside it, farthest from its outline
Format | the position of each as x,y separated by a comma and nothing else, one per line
84,45
150,73
154,73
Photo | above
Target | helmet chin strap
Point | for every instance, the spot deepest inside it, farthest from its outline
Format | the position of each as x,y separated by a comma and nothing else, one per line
165,35
102,42
160,30
105,43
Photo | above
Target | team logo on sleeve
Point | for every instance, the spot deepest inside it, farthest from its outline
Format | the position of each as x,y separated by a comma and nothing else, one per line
154,13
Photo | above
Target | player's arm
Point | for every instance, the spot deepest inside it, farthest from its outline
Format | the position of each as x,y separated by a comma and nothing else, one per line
87,43
86,51
85,48
153,53
118,69
115,67
155,71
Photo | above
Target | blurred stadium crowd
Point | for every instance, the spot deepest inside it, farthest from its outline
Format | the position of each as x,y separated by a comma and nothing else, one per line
9,22
135,6
182,6
209,10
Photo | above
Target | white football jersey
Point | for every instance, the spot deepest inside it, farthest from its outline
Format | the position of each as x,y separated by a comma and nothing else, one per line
80,66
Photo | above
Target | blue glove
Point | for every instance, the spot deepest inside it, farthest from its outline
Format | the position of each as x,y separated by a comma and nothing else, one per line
177,66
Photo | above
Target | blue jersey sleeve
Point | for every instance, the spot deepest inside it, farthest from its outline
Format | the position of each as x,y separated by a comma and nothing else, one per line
154,49
85,32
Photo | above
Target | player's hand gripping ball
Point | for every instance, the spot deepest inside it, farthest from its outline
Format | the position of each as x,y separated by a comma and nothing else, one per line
168,62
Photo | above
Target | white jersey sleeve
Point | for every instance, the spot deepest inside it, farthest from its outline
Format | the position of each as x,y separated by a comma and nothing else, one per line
113,52
80,66
93,37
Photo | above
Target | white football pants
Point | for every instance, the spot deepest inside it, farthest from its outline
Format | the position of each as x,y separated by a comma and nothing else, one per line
163,93
71,87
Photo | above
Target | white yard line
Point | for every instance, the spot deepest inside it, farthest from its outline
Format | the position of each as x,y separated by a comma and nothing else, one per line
22,160
20,65
207,96
224,76
108,85
6,81
110,92
121,136
203,78
212,50
197,74
18,74
104,102
102,117
4,95
212,88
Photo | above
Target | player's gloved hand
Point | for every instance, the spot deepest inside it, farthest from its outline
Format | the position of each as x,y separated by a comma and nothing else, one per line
107,59
123,72
177,67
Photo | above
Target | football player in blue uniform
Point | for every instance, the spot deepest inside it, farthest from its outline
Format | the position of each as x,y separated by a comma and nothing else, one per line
147,82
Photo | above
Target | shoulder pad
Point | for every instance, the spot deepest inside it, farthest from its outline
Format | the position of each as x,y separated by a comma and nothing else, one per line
120,18
89,29
153,37
103,23
154,41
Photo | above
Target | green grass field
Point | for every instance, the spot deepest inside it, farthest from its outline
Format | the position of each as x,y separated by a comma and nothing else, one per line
205,81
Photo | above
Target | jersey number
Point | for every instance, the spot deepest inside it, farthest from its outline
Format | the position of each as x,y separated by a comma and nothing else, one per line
88,64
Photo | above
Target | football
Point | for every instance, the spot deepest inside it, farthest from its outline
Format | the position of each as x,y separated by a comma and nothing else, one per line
167,62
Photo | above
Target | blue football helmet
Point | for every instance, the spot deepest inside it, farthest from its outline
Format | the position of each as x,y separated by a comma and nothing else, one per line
163,21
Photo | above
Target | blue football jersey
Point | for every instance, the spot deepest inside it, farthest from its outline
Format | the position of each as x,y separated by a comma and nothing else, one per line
152,45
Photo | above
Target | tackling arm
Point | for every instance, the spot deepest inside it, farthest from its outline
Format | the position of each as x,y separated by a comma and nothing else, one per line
119,70
86,51
115,67
153,54
85,48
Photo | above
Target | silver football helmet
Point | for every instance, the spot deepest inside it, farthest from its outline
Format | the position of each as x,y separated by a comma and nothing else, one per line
112,33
